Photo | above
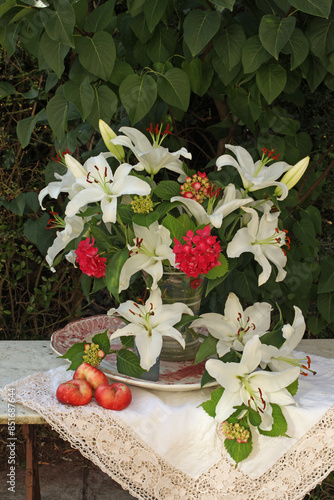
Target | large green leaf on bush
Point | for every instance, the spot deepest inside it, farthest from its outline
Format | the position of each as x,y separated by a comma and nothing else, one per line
25,127
104,106
271,80
326,281
97,54
162,45
228,44
54,52
325,305
59,23
320,34
200,75
138,94
199,27
36,232
275,32
140,29
100,17
81,95
6,89
253,54
320,8
56,112
228,4
113,270
298,47
314,71
154,10
174,88
244,106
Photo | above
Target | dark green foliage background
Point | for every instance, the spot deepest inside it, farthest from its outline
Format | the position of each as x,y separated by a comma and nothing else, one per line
252,73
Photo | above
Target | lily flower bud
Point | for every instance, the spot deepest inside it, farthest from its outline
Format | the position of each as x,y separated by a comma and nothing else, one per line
293,175
107,135
75,167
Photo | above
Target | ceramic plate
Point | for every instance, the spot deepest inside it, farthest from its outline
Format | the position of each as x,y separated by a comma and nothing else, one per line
174,376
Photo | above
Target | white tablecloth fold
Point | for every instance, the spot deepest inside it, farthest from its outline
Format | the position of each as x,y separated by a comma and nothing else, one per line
177,443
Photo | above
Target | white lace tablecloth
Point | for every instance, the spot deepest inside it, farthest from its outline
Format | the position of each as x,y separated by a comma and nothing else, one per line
164,447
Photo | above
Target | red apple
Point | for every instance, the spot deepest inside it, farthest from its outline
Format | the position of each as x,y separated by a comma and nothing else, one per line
114,396
93,375
75,392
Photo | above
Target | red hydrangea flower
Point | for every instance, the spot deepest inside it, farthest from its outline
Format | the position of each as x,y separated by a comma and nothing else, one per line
199,254
89,259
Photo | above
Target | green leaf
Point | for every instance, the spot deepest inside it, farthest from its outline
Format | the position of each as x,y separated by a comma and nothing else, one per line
104,106
97,54
271,80
36,232
121,70
218,271
207,348
325,304
154,10
210,405
6,89
254,417
59,23
200,75
175,227
162,45
320,8
138,94
245,283
75,354
100,17
167,189
244,107
304,231
140,29
228,44
326,281
81,95
314,71
128,363
54,53
316,325
275,32
298,47
293,387
174,88
24,129
320,34
253,54
56,112
280,425
315,217
102,239
228,4
199,27
102,340
238,451
86,285
113,271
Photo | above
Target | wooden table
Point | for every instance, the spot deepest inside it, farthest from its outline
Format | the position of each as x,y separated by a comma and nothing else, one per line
19,359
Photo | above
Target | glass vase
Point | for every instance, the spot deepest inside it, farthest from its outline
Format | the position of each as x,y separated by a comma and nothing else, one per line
175,286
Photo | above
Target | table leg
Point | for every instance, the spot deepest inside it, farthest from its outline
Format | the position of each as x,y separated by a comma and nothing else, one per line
32,478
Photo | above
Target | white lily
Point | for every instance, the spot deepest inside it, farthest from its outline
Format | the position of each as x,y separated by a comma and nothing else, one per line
225,206
263,239
237,326
149,323
151,157
68,182
244,385
279,359
72,229
151,247
102,185
255,175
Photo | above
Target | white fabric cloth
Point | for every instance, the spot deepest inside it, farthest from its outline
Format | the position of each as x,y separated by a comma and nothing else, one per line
174,431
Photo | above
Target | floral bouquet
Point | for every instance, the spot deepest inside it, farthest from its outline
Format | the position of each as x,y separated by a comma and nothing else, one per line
126,218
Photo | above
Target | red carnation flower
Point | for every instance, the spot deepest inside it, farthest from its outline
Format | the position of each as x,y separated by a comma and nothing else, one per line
199,254
89,259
